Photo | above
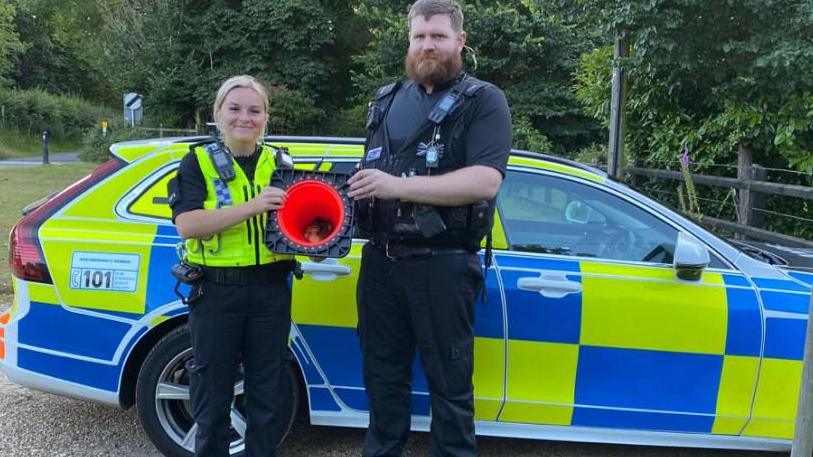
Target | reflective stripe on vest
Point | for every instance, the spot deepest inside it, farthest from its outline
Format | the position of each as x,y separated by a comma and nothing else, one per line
241,244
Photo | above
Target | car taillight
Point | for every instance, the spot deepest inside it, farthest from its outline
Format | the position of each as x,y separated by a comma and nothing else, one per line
25,251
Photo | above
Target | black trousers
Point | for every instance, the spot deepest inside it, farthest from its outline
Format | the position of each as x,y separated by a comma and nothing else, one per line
232,324
426,302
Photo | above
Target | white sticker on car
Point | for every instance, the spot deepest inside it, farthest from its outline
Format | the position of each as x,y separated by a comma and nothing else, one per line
104,271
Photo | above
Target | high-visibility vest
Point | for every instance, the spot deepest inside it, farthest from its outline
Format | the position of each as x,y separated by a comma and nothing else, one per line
241,244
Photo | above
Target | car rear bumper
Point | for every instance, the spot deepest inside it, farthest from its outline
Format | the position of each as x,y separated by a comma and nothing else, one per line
56,386
11,349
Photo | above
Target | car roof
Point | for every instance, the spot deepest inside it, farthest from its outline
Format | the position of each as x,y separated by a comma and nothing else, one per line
130,151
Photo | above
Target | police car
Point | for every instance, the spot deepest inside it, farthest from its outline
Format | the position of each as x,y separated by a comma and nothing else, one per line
608,318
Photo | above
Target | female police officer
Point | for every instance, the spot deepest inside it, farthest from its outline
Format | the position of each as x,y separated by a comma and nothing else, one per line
243,309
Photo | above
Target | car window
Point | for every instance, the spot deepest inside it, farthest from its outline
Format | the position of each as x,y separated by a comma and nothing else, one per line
153,200
553,215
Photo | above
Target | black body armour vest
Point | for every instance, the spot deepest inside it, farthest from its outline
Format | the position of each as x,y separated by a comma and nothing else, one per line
383,219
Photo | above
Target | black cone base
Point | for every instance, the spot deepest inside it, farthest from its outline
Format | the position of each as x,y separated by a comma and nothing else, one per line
317,219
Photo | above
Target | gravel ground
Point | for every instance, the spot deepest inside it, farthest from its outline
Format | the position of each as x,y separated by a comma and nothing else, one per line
39,424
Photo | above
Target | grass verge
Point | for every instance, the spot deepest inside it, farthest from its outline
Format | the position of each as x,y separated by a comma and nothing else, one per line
14,145
20,186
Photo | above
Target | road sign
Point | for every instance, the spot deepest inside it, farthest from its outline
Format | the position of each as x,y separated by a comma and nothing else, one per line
132,109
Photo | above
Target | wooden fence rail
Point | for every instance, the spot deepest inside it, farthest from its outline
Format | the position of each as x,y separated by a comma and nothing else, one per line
168,131
751,186
764,187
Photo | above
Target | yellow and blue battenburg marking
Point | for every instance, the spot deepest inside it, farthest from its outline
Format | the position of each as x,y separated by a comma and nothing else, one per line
629,346
638,349
802,277
97,329
327,342
786,305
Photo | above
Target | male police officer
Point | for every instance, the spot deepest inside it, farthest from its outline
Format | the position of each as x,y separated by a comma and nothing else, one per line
435,156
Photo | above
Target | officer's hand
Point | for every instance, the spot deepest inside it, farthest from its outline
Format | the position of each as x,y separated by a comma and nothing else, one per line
373,183
271,198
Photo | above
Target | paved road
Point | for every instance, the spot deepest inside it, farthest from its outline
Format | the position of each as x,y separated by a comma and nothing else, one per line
39,424
55,158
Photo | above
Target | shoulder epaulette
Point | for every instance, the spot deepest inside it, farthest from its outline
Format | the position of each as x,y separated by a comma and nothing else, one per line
209,140
386,90
282,158
473,87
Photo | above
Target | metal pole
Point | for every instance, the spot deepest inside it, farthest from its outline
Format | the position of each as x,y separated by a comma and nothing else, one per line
803,436
616,146
45,147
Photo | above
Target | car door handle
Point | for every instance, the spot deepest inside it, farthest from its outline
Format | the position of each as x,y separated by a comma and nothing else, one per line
551,285
326,270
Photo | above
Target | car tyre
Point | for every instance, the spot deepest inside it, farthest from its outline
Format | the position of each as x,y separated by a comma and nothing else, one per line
168,420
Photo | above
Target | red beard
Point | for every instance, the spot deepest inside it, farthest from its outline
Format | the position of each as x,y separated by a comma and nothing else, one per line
432,69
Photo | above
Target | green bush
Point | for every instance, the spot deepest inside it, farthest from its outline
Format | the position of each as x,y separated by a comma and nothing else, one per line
527,137
96,147
291,112
346,122
30,112
594,154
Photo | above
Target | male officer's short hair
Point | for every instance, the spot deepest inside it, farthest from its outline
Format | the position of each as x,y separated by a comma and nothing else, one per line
429,8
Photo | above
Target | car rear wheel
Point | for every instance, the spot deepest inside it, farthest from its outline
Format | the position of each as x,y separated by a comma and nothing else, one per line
162,396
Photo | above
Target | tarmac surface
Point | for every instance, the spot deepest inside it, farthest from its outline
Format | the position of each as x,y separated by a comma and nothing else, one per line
55,158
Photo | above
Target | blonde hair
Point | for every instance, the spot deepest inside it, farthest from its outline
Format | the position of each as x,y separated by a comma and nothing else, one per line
241,81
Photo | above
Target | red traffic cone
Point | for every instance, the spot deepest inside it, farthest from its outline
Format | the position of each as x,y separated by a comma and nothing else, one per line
317,218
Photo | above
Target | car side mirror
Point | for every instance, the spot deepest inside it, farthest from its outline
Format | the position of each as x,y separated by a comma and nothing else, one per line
691,257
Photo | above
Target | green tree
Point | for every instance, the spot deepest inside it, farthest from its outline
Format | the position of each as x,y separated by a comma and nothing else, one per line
717,78
10,44
530,49
714,76
178,52
62,49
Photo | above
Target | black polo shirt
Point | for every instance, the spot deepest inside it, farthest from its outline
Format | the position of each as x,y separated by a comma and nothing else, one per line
488,138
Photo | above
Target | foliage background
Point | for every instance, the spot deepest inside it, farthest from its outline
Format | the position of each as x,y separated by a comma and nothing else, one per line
713,78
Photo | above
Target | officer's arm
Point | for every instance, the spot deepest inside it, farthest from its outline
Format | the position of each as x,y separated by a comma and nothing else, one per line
202,223
460,187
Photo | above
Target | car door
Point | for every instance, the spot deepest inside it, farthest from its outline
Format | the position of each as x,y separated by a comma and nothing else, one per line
601,332
325,318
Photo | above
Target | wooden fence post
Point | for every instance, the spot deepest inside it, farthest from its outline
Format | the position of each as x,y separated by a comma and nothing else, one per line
744,162
749,200
756,217
615,151
803,436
